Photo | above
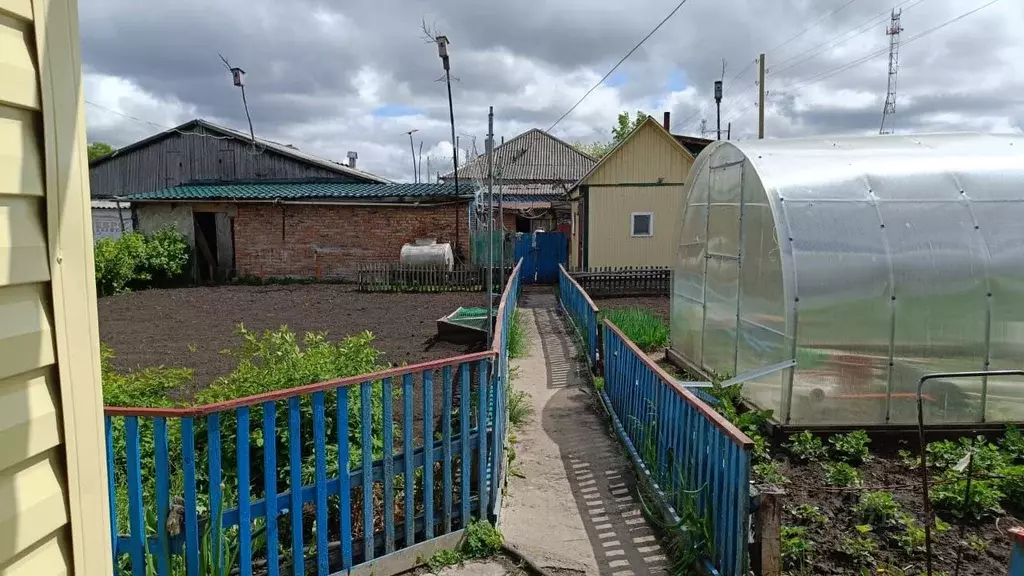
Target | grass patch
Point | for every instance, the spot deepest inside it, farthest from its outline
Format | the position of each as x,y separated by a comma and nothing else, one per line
482,541
520,411
646,330
517,345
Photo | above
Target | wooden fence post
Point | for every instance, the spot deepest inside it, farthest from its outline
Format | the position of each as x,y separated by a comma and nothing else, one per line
767,554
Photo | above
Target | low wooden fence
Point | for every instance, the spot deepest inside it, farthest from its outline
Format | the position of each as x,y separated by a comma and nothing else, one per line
624,281
243,486
394,277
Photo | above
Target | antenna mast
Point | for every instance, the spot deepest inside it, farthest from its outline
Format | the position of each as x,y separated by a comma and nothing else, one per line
889,112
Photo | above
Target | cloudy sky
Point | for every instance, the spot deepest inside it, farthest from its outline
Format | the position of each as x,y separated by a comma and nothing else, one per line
357,75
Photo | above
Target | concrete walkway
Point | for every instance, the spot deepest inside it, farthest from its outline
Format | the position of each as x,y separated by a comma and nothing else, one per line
575,509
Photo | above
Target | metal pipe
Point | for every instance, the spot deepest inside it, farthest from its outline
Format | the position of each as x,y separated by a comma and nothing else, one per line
490,223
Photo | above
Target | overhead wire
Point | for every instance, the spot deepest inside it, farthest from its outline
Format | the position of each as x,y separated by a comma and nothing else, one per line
808,28
619,63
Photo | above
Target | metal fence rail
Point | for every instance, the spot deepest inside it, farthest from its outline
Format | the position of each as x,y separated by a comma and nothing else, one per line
686,448
624,281
395,277
582,311
203,486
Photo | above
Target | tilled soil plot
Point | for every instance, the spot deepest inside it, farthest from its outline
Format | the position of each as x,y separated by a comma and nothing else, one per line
658,305
190,326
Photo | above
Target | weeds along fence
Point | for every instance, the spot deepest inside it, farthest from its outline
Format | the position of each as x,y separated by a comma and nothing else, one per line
581,310
394,277
696,462
314,479
624,281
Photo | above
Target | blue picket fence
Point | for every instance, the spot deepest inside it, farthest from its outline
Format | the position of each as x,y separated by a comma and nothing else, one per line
581,310
237,485
694,458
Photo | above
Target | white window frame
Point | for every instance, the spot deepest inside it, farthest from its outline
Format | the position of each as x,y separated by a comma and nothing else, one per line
632,224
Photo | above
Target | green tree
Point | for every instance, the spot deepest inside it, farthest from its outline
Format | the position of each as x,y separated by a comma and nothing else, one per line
624,125
99,150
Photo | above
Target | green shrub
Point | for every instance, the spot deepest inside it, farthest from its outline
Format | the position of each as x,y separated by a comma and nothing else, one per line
879,509
482,540
646,330
806,446
841,474
136,261
852,447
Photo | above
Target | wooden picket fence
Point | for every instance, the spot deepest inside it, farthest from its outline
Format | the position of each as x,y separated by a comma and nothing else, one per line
624,281
394,277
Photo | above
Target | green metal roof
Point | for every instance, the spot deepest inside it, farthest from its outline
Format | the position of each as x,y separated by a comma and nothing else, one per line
294,190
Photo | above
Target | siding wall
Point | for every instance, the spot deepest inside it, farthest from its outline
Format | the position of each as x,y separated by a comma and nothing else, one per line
53,497
182,158
651,154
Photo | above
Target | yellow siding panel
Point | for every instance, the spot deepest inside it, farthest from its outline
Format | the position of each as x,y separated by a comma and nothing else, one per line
650,154
32,504
21,9
26,334
21,167
50,557
23,254
29,421
20,86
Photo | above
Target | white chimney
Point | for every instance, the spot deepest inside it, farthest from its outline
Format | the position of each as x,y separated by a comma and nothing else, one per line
352,156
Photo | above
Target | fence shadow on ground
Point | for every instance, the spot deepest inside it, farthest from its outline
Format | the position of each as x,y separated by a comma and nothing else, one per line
601,481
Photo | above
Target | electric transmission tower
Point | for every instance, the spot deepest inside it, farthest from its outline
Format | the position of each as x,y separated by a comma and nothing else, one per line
889,112
703,127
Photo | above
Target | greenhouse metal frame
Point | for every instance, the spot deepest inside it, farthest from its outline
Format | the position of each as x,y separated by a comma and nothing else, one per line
870,262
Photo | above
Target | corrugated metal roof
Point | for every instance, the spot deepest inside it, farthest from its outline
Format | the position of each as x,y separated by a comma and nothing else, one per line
533,156
282,149
108,205
306,189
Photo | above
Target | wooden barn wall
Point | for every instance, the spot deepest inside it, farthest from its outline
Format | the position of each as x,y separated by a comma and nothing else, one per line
198,155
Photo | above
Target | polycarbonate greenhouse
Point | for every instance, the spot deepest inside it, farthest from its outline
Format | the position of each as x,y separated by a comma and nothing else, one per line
870,262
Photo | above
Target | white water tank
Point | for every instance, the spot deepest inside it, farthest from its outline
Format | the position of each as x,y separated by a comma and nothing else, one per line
427,253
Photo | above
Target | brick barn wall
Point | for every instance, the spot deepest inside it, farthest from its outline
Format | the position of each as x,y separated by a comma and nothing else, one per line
327,242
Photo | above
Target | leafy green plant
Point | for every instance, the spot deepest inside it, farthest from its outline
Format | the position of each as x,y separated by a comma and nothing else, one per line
806,446
646,330
808,514
443,559
1012,485
598,383
482,540
909,459
769,472
976,543
860,547
517,344
520,410
852,447
841,474
136,261
984,503
947,454
1013,442
795,547
879,509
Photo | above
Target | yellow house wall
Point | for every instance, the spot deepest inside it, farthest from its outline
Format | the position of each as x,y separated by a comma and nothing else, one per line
53,497
649,155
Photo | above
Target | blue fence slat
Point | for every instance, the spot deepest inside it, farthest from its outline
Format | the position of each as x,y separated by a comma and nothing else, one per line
482,438
428,467
136,518
389,466
465,401
108,430
344,480
366,446
446,446
163,495
295,483
188,457
216,498
244,492
270,483
320,468
409,508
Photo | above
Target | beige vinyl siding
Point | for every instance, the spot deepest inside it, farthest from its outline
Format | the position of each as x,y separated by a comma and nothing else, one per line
649,155
53,513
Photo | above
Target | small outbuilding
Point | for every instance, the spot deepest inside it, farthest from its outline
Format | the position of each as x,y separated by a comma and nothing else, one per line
870,262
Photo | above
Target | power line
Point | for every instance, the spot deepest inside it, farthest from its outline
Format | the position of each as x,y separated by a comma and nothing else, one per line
619,63
807,29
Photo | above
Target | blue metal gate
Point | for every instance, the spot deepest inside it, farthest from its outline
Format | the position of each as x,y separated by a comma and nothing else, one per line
541,253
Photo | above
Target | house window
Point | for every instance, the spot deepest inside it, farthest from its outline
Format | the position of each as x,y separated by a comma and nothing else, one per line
642,224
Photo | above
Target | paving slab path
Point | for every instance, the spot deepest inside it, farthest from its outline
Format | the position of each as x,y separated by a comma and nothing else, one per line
574,510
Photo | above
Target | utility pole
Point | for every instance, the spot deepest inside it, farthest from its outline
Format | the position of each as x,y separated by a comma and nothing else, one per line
442,51
728,132
718,105
490,221
415,172
760,105
889,111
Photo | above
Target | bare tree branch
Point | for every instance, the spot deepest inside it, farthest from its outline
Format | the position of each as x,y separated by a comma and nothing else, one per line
225,61
430,33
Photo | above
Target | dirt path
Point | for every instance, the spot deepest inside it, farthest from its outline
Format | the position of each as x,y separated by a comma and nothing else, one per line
574,511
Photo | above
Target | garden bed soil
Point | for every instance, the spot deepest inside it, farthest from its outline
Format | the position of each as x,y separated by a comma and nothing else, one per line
660,306
886,472
189,327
